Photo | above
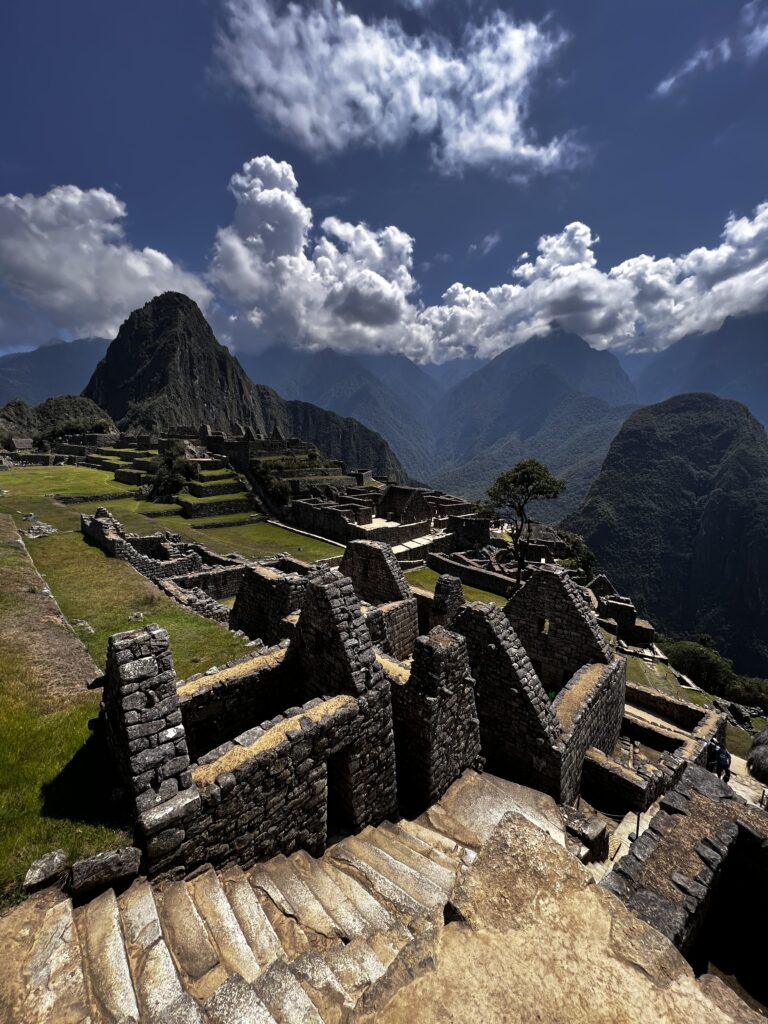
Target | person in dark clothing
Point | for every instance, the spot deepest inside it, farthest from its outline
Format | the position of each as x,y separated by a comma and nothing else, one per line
713,749
724,765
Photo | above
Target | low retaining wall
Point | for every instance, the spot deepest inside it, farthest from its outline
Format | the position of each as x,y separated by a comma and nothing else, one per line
479,578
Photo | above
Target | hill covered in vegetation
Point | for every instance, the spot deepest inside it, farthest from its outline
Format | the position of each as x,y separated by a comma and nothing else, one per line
67,414
678,518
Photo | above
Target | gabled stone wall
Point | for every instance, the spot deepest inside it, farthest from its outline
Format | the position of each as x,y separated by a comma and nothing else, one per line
265,600
518,727
556,626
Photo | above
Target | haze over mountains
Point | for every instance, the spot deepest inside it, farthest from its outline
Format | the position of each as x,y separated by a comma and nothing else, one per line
678,518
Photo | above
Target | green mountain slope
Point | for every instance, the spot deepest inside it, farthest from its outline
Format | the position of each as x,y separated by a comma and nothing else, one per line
63,415
678,518
166,369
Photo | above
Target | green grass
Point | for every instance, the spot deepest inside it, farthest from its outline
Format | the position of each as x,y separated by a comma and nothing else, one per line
208,499
427,580
253,540
103,592
53,789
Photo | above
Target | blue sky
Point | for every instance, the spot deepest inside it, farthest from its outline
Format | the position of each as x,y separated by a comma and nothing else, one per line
471,130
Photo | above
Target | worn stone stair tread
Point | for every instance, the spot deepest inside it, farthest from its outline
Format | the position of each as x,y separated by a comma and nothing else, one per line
326,991
292,937
189,941
280,991
356,966
107,973
305,907
55,990
155,978
236,1002
417,885
387,945
362,899
443,879
334,902
402,903
18,929
185,1010
255,925
419,846
211,901
437,840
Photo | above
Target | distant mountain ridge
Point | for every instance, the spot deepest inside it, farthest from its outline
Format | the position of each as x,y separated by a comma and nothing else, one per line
731,362
166,369
678,518
57,368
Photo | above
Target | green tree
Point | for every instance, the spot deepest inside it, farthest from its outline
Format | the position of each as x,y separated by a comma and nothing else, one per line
510,494
173,471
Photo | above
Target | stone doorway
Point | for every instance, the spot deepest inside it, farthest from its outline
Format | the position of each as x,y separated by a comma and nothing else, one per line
340,818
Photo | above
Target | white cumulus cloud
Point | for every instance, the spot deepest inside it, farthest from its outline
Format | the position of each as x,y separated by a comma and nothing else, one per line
65,266
327,79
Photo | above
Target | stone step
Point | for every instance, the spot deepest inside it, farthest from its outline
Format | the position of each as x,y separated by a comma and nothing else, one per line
55,990
155,978
337,906
292,937
279,989
323,987
386,945
236,1002
255,925
302,902
376,915
354,862
442,878
437,840
211,901
189,941
424,892
450,863
356,966
107,973
18,929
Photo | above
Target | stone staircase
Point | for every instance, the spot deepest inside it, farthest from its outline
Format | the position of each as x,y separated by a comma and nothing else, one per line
295,940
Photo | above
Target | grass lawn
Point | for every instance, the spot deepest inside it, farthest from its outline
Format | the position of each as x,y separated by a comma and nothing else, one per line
253,540
212,499
102,592
427,580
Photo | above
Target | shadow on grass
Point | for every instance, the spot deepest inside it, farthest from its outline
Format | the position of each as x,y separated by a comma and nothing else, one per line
87,789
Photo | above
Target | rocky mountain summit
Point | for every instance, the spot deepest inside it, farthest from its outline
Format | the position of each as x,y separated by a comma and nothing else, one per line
678,517
165,369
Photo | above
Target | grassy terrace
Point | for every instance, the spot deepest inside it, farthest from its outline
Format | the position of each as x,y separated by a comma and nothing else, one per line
427,580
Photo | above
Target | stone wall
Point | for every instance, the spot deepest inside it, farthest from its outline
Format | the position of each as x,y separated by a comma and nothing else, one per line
437,731
447,602
219,581
677,869
493,582
590,710
607,784
556,626
394,627
265,600
142,717
518,726
195,600
217,706
103,530
375,572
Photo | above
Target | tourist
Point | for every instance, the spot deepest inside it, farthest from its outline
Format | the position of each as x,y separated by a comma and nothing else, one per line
724,765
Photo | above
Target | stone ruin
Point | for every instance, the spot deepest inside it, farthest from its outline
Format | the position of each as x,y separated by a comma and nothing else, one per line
618,616
371,700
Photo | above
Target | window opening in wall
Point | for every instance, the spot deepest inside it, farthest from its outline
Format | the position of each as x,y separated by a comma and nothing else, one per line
543,627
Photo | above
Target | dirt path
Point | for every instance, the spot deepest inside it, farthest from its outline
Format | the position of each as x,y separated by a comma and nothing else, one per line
37,645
